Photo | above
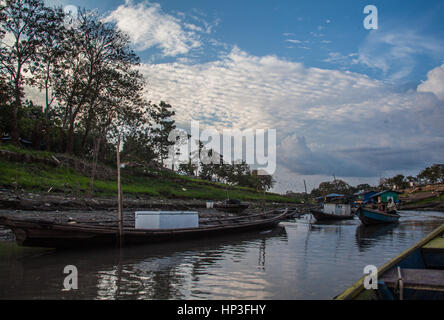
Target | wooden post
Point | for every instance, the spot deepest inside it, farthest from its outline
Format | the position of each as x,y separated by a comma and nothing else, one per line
119,193
94,165
263,201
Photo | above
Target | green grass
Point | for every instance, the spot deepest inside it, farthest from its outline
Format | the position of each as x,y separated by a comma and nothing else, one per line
36,177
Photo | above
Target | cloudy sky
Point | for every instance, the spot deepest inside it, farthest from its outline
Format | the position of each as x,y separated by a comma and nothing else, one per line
345,101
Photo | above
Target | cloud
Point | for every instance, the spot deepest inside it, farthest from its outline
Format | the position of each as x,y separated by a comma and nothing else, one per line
298,157
293,41
434,82
148,26
327,121
397,52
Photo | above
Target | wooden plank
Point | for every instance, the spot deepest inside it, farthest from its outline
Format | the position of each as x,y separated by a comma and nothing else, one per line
420,279
437,243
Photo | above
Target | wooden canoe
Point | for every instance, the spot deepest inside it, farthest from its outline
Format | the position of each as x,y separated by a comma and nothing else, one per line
31,233
371,217
231,208
415,274
322,216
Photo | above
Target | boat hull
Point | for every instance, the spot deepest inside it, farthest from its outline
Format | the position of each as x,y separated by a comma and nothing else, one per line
322,216
372,217
53,235
419,271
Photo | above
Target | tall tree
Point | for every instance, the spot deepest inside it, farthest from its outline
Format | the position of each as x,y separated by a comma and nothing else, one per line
50,68
164,124
24,23
97,56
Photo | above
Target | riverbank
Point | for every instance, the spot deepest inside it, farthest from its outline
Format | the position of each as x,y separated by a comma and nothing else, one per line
28,176
426,198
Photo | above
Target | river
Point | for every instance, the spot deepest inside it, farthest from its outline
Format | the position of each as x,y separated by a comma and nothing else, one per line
300,259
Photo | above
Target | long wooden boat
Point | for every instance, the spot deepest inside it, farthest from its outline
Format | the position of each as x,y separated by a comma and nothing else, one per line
322,216
371,216
415,274
59,235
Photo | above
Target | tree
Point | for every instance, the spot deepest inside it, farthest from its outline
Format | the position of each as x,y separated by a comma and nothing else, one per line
138,147
337,186
25,22
433,174
363,187
50,54
262,182
98,62
188,168
164,124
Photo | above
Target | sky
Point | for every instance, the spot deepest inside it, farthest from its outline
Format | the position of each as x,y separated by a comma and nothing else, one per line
345,101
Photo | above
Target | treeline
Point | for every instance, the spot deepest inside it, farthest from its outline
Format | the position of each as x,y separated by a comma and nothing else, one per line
238,173
338,186
71,84
430,175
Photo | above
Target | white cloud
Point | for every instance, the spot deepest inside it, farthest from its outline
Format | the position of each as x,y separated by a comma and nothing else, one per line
293,41
395,52
148,26
327,121
434,82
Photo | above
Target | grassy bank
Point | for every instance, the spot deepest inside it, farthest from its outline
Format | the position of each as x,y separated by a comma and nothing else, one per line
39,178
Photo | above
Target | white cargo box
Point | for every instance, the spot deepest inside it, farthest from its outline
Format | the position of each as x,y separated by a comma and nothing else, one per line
337,209
167,219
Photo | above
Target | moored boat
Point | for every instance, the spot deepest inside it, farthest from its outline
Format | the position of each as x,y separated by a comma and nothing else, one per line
372,216
322,216
334,207
32,233
415,274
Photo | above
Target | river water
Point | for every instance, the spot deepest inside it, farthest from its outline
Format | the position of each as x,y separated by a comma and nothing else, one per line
300,259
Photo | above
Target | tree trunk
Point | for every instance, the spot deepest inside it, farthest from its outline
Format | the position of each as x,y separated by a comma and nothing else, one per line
70,140
15,106
94,166
37,135
119,195
14,126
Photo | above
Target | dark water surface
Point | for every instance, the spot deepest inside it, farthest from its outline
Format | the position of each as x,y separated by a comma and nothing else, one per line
301,259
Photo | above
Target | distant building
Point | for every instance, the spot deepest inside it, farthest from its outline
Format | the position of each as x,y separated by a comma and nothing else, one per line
384,196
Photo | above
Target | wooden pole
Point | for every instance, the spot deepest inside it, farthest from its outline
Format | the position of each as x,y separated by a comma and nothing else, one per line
119,193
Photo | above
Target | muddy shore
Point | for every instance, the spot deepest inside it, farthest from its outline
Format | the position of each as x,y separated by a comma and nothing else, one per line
27,201
103,211
432,206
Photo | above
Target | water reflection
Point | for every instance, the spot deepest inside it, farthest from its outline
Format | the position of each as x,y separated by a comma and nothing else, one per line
165,271
366,236
301,259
